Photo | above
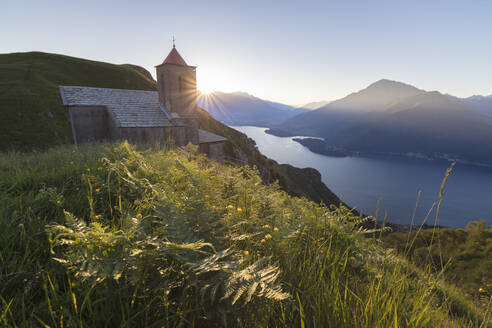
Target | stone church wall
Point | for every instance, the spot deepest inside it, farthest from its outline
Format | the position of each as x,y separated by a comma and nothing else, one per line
178,135
149,135
89,123
191,135
95,124
214,150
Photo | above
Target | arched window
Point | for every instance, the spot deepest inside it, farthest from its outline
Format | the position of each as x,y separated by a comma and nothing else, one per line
182,84
162,83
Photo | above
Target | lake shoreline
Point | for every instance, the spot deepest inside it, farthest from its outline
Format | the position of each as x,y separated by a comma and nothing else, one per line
330,150
401,188
339,152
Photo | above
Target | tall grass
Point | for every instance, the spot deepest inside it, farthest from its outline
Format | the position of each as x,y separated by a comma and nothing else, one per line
112,236
459,256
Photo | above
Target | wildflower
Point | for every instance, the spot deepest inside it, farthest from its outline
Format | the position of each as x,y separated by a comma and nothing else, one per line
58,202
207,196
139,216
88,169
97,217
246,253
214,207
230,207
99,168
266,226
275,229
239,209
263,241
98,190
268,236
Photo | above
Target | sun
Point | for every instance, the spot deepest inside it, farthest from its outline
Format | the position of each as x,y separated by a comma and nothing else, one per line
209,81
205,88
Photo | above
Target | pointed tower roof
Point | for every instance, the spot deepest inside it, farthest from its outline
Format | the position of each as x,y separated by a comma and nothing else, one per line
174,58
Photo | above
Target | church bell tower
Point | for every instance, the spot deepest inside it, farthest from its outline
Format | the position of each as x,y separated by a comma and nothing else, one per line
176,83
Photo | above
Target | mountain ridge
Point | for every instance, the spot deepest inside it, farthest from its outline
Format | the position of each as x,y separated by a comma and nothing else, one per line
394,117
314,104
240,108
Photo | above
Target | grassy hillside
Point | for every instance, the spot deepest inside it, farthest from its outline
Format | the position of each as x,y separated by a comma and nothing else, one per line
33,116
97,236
464,253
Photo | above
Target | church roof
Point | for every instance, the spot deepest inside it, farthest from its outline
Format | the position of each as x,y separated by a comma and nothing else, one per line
207,137
130,108
174,58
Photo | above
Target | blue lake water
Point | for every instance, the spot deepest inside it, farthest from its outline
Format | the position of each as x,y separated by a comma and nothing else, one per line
360,182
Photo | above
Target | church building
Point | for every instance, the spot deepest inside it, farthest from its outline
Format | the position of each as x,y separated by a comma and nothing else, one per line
166,115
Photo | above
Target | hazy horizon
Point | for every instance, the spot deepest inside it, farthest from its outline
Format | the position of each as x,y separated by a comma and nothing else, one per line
285,51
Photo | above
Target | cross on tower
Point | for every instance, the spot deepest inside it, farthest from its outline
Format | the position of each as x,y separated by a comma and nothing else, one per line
174,45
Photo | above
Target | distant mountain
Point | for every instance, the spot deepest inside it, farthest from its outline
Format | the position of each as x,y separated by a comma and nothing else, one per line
328,120
393,117
432,124
239,108
376,96
315,104
483,104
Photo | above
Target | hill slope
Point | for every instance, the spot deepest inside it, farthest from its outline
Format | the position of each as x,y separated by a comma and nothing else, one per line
110,236
465,251
33,116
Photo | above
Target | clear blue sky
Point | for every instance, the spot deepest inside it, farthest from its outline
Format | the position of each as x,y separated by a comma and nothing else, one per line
289,51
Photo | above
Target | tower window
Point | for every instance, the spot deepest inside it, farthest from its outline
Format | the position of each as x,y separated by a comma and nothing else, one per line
182,86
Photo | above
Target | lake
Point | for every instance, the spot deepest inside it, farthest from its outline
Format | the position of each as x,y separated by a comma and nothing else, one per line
396,182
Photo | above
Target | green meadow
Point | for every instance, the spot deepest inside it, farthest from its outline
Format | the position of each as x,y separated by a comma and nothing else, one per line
33,116
118,235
